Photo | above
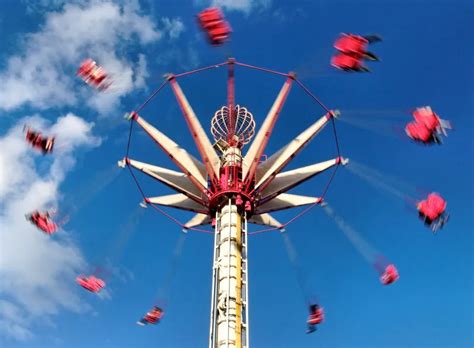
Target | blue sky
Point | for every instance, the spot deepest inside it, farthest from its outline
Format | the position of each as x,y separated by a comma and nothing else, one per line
426,59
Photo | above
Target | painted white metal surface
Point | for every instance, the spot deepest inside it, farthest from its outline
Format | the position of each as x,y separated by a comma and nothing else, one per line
215,279
176,180
192,167
277,161
265,220
286,180
178,201
286,201
208,155
198,220
245,283
258,145
229,318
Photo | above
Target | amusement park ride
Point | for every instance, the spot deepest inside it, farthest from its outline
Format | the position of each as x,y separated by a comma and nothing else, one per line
43,221
151,317
231,186
38,141
352,51
229,189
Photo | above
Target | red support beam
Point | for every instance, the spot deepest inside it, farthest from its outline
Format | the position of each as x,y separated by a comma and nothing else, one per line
209,157
260,142
231,101
166,145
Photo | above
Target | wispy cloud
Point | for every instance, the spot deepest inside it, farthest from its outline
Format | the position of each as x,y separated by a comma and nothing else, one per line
245,6
173,26
37,271
11,318
42,74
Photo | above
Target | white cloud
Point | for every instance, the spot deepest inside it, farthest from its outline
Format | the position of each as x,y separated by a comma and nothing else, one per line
43,74
141,71
11,318
245,6
37,271
174,27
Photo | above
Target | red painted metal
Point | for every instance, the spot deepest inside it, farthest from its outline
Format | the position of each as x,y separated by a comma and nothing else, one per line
270,197
345,61
429,120
91,283
248,206
432,207
180,98
152,317
196,183
316,315
331,114
231,102
249,179
390,275
223,195
191,72
351,44
263,69
238,200
158,209
198,200
43,222
352,51
427,127
419,132
155,92
94,75
39,142
267,182
212,22
134,115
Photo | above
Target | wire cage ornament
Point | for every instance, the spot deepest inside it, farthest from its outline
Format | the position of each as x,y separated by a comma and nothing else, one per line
244,127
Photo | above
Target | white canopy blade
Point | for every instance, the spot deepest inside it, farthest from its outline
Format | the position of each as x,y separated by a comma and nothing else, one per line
176,180
178,201
198,220
265,220
275,163
287,180
189,165
203,144
285,201
255,151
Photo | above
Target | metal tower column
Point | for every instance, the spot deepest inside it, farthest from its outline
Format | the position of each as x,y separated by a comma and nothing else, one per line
245,283
229,313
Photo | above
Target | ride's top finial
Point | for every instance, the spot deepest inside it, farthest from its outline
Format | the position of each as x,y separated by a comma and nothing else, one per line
244,126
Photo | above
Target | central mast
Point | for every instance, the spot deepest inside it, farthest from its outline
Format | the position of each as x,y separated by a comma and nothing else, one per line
229,302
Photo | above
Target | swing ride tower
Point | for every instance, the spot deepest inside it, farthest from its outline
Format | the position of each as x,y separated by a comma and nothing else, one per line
229,190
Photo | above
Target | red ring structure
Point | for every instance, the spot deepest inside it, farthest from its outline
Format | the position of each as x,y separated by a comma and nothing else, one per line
233,61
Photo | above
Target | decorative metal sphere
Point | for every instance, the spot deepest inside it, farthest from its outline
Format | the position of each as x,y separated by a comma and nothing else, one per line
244,127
